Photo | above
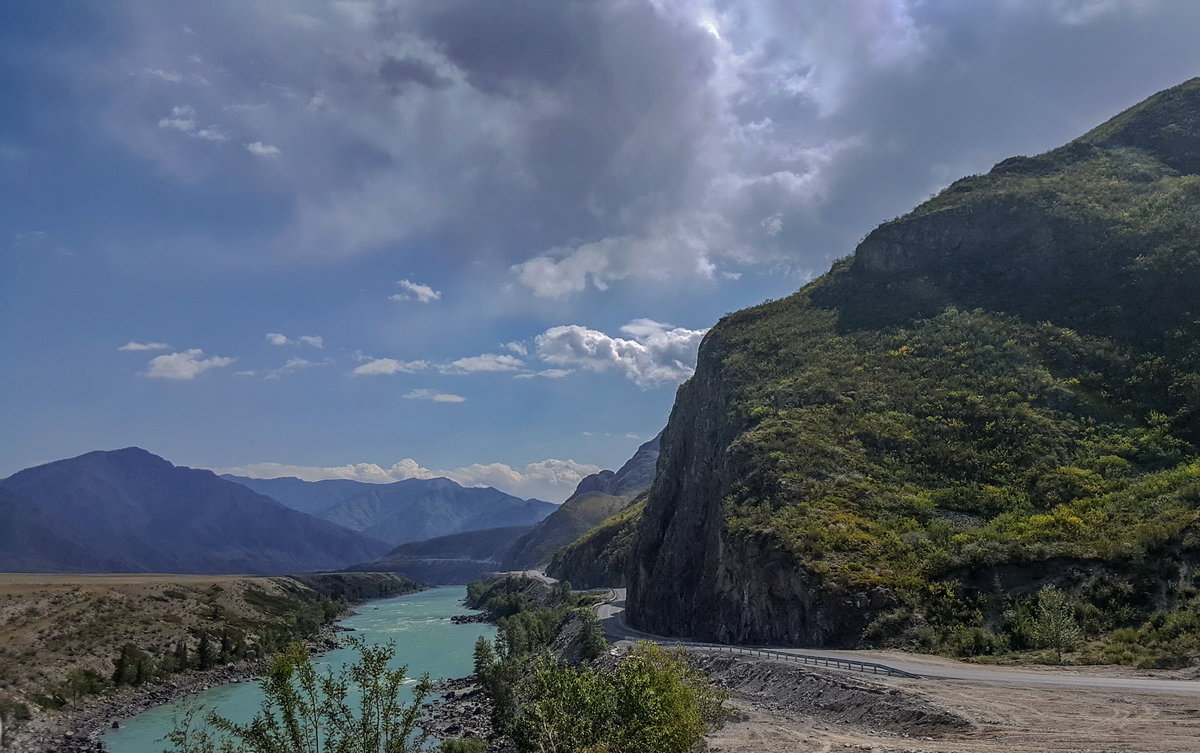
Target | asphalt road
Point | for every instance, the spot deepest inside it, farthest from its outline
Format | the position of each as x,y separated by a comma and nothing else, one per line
611,615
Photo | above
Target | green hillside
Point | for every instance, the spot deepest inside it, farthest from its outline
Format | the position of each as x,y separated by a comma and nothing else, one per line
997,391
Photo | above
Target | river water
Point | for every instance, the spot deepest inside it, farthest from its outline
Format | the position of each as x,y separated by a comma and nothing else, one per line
419,623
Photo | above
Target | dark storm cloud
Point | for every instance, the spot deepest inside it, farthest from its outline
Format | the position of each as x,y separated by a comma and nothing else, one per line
585,143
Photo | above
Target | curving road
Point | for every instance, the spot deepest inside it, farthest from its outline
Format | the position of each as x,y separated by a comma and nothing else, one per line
611,615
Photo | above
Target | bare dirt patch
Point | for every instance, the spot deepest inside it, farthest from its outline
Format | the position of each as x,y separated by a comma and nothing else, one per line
998,717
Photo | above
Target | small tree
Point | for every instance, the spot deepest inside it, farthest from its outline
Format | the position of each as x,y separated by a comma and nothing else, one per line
485,659
13,714
181,655
358,710
1054,623
592,642
204,653
82,682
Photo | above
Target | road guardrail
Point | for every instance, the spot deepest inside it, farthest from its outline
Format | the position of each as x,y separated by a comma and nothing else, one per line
866,667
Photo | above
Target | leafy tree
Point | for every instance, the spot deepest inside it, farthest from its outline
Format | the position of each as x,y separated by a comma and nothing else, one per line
463,745
1054,622
307,712
82,682
181,655
592,642
652,702
561,709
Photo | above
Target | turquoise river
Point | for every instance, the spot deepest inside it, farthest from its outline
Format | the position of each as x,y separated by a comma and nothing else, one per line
419,623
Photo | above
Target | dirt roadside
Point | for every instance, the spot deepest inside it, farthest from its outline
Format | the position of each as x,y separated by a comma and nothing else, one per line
790,714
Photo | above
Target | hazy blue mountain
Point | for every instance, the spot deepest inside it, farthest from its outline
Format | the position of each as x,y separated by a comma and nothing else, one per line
410,510
131,511
631,479
598,497
454,559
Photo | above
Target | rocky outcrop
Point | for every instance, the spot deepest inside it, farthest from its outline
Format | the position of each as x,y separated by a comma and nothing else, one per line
676,560
688,576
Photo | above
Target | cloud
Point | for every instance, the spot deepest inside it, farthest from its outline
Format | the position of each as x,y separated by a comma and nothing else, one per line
183,366
313,341
434,396
652,355
169,76
259,149
183,119
133,345
546,374
1081,12
422,293
293,365
486,362
385,366
412,70
772,134
551,479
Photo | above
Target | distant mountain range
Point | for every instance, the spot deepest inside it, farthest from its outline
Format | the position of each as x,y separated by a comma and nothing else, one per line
410,510
597,497
131,511
461,557
454,559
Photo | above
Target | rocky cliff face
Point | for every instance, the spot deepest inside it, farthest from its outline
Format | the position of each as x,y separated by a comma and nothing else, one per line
688,576
1001,380
678,555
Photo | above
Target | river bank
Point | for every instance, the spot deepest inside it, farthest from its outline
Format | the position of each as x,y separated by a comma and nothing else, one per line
51,624
80,729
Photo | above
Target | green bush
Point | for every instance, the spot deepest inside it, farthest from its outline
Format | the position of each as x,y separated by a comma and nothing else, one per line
651,702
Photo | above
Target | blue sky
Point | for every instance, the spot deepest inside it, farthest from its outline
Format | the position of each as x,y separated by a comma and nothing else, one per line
384,239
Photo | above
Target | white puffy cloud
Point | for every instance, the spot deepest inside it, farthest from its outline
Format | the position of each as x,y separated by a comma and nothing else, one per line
486,362
417,291
259,149
314,341
653,354
185,365
135,346
434,396
386,366
552,479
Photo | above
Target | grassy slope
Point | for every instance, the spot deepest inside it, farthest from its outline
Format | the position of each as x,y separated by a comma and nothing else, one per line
598,557
51,624
1006,376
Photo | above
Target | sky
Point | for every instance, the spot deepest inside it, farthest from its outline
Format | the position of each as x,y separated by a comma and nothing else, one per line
380,239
